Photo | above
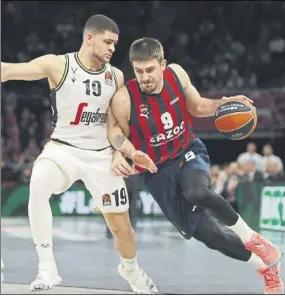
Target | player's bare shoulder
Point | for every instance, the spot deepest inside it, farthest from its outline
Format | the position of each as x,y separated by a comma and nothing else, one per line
119,77
49,63
59,67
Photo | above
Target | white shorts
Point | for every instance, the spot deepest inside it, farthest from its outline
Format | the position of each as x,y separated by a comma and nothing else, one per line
94,169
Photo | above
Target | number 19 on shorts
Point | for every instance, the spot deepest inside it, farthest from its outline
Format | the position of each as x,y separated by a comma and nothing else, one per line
120,197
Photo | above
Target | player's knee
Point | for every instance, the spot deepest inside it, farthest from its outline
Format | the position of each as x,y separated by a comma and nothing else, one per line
120,227
197,196
121,232
196,187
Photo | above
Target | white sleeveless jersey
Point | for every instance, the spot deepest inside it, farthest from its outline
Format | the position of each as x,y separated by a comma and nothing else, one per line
80,103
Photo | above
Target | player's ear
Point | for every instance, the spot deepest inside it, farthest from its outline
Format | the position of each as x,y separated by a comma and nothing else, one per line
89,38
163,64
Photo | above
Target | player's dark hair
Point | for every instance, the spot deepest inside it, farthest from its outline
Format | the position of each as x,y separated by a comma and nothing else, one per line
146,49
99,23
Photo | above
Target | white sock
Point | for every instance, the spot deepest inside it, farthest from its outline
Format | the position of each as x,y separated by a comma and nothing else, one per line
47,178
256,261
129,264
44,251
40,216
242,230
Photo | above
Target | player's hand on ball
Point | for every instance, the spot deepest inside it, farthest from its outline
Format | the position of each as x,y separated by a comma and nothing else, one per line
120,167
238,98
144,161
241,98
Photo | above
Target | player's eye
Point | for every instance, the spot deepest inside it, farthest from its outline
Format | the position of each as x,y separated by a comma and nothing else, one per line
109,42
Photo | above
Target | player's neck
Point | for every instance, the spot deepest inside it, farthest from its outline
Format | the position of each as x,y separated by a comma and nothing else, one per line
87,62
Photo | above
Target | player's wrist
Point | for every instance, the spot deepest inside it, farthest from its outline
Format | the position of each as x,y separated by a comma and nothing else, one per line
129,153
127,149
117,153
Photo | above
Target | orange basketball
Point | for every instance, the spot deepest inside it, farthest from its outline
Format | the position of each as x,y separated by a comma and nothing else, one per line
236,119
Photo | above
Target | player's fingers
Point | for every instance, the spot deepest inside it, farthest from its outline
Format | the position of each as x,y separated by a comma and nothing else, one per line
242,97
152,168
128,168
125,176
150,164
251,101
123,170
238,97
116,172
121,174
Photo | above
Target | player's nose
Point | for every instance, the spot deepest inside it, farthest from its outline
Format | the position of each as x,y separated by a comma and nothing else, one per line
144,77
112,48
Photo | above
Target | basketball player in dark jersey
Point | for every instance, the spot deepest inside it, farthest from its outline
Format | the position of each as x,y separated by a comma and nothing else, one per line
154,111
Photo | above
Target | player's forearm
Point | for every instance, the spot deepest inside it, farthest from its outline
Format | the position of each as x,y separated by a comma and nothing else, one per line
14,71
120,142
207,107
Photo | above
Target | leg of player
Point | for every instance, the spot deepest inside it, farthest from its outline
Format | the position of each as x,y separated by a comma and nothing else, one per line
124,239
215,235
110,196
196,186
133,184
47,178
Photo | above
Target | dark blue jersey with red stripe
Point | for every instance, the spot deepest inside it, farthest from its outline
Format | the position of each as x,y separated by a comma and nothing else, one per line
160,124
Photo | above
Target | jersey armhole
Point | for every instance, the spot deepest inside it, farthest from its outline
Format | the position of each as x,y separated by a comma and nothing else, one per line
64,73
115,77
176,79
131,105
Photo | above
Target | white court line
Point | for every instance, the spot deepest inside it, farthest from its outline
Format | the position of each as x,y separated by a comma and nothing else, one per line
9,288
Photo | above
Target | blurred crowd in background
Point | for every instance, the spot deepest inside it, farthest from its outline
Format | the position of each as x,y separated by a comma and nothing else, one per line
216,42
222,45
250,166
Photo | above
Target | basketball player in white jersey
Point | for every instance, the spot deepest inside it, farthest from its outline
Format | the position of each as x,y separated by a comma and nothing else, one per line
82,85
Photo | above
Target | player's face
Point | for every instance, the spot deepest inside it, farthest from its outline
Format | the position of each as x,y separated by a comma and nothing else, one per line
102,45
149,75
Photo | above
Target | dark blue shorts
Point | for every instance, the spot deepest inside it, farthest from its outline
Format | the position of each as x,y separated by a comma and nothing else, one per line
165,187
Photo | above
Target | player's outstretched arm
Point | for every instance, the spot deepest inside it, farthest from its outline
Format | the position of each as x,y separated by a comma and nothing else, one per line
36,69
197,105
